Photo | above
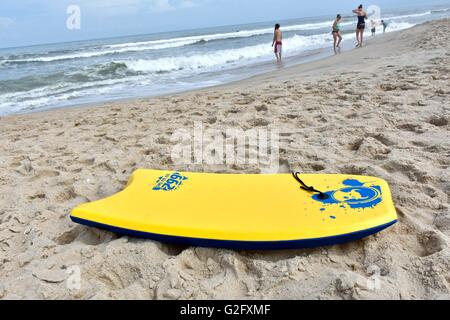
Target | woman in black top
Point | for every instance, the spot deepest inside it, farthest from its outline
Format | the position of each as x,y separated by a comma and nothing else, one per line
362,16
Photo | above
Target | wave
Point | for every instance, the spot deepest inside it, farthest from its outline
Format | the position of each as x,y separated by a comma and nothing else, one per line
409,16
397,26
225,57
63,92
174,42
55,58
440,10
221,57
91,54
105,71
84,55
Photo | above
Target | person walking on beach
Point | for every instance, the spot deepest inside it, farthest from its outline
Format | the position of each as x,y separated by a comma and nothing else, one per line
337,32
361,26
277,42
384,23
373,27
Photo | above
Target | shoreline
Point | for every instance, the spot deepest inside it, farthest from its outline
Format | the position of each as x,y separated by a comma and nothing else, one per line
305,58
382,110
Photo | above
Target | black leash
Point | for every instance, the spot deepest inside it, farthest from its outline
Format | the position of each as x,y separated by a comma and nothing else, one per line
303,186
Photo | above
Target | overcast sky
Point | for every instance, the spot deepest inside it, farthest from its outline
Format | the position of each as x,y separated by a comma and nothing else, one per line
27,22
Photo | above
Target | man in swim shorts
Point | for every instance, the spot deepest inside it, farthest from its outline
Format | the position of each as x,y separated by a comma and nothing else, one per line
277,42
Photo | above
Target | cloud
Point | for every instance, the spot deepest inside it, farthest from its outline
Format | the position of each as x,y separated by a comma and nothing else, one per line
5,22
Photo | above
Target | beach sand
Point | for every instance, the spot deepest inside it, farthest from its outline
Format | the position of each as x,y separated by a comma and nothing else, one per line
382,110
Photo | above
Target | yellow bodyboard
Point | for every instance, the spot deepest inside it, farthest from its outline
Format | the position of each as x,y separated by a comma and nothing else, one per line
244,211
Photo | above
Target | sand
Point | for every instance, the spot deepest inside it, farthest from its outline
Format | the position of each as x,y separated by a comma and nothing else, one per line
381,110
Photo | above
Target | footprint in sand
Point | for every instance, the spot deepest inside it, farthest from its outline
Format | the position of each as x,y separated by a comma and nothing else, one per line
370,147
442,222
261,108
66,195
258,123
438,121
388,87
384,139
45,174
212,120
39,195
431,242
85,235
412,127
163,140
409,170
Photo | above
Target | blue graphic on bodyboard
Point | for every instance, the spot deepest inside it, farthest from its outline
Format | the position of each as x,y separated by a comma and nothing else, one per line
169,182
355,195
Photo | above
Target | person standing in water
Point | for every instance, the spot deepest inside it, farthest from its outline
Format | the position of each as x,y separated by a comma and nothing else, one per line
277,42
373,27
337,32
384,23
361,26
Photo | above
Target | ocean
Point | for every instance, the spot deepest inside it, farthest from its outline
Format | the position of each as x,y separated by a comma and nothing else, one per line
85,72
